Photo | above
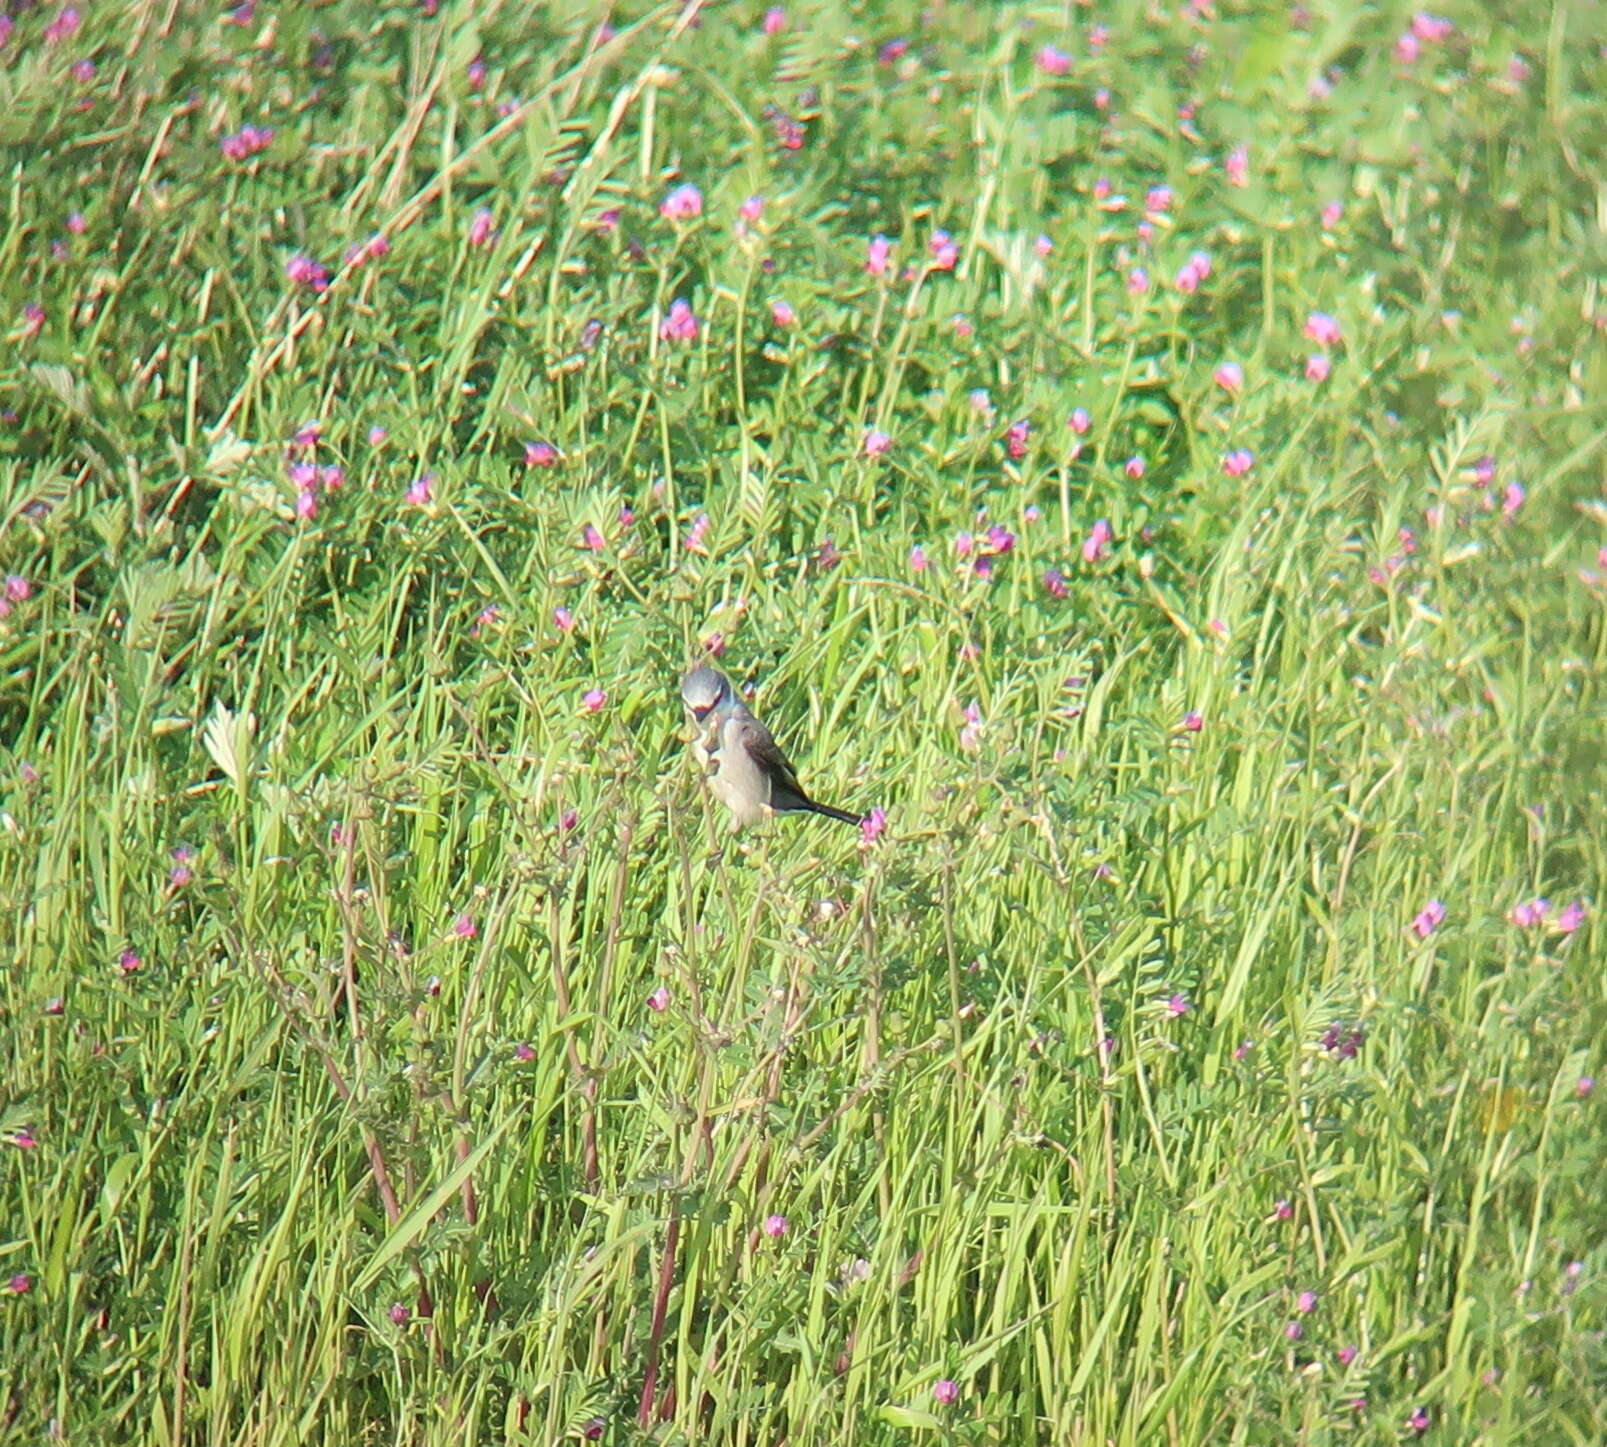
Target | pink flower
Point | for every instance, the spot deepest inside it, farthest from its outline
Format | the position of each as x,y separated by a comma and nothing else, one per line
422,490
962,326
524,1052
1432,27
751,209
1306,1303
476,73
1134,466
944,252
917,559
1418,1421
563,619
697,533
1238,462
1229,376
540,454
482,229
377,436
1042,246
248,141
592,540
1318,367
18,588
399,1314
1331,216
681,324
1098,36
659,1000
33,319
1052,60
1054,580
1081,421
682,204
775,1226
377,246
593,699
1096,544
1346,1355
999,540
1484,470
1512,499
83,71
1570,917
20,1284
1428,919
1529,914
1015,439
1193,721
464,927
878,255
1293,1330
1237,166
129,962
304,271
1283,1210
306,505
1137,281
1178,1005
1585,1087
877,443
946,1392
76,223
1322,329
782,314
64,26
332,478
1407,48
873,826
775,20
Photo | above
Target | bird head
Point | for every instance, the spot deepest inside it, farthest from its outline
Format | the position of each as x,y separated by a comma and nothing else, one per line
703,690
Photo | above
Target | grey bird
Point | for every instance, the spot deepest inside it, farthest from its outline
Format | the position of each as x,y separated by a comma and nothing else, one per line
746,770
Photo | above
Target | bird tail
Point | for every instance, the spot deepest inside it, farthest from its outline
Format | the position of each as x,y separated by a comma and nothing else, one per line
831,813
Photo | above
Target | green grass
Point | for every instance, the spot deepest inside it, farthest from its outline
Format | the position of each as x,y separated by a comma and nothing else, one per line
1118,1041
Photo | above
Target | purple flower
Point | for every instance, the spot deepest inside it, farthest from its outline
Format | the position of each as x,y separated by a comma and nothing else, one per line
775,1226
1054,580
1346,1355
1529,914
1418,1421
681,323
1344,1041
540,454
1306,1303
1569,917
1178,1004
873,825
1052,60
464,927
1429,919
399,1314
946,1392
682,204
1322,329
1238,462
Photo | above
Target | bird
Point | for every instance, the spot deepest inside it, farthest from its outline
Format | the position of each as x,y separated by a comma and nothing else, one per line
746,770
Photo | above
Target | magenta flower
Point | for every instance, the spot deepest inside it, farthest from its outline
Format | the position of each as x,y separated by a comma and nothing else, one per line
1137,281
464,927
1484,470
1530,914
682,204
1332,213
1512,499
1052,60
1134,466
945,254
248,141
1418,1421
564,619
33,319
1229,376
306,505
332,478
681,324
1178,1004
962,325
1322,329
129,962
1193,721
593,699
1192,273
752,209
1585,1087
1283,1210
541,454
1428,919
775,1226
1080,421
775,20
64,26
917,559
592,540
20,1284
18,588
782,314
399,1314
377,436
1054,580
1293,1330
659,1001
83,71
1570,917
482,227
1318,367
304,271
877,443
1238,462
697,533
1042,246
878,255
1158,199
1237,166
1096,544
946,1392
1306,1303
1015,439
524,1052
1346,1355
873,826
1407,48
422,490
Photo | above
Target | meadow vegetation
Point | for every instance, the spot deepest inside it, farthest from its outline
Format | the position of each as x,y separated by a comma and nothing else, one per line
1153,453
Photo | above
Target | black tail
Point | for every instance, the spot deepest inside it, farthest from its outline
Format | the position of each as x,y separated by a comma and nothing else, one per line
831,813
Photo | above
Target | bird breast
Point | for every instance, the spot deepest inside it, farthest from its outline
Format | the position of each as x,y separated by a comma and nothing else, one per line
737,780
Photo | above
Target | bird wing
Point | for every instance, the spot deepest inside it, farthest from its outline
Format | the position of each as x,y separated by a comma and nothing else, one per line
754,737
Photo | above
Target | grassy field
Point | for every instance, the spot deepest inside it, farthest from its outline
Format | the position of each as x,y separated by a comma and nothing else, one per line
1153,453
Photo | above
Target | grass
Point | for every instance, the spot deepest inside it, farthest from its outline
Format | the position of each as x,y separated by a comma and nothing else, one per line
351,1121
